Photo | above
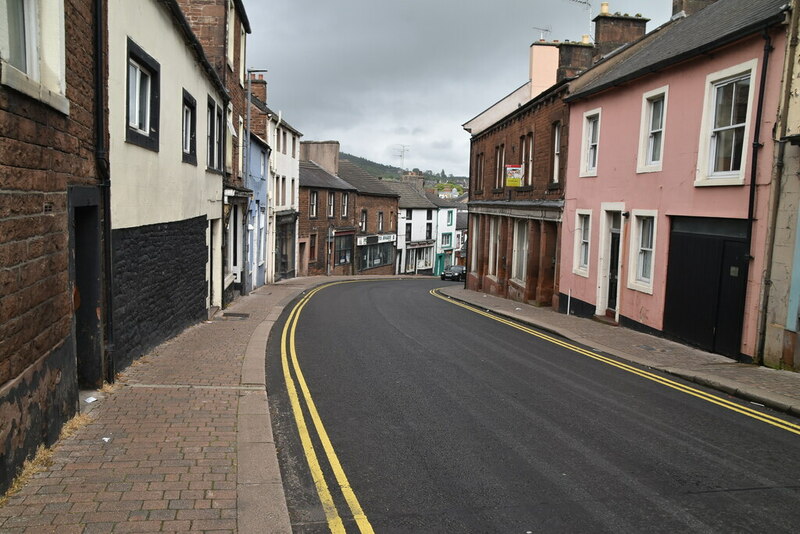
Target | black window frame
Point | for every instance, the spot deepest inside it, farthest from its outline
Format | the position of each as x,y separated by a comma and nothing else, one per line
191,156
429,231
133,136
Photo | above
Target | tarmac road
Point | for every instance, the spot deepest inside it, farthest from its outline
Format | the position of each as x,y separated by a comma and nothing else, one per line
412,414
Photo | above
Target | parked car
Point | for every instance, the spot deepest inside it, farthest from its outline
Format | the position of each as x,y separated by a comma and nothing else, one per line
454,272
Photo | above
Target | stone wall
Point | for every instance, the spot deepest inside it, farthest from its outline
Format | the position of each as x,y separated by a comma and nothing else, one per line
42,152
159,284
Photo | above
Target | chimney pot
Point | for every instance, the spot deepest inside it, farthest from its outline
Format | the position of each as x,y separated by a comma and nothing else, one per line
604,8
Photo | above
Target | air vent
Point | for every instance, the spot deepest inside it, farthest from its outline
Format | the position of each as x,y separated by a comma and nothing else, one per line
47,207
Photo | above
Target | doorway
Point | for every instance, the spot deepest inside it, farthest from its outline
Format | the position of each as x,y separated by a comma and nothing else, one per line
613,262
707,283
86,274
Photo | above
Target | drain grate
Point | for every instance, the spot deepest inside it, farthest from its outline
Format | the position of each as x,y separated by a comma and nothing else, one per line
230,316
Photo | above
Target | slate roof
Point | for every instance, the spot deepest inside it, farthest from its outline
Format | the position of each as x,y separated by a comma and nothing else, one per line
312,175
441,202
721,23
410,197
363,181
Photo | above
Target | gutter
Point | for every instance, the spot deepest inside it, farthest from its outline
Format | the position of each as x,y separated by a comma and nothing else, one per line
747,31
104,174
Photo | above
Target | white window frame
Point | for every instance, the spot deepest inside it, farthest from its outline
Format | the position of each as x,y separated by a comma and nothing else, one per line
578,267
134,101
44,77
331,204
556,148
262,165
644,163
231,29
345,204
704,175
636,282
313,203
590,149
380,222
529,166
242,52
500,166
519,263
447,240
187,129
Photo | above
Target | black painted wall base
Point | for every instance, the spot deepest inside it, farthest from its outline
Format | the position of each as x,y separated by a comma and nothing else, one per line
35,406
159,284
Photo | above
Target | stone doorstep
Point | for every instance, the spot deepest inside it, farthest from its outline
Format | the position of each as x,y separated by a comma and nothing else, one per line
732,387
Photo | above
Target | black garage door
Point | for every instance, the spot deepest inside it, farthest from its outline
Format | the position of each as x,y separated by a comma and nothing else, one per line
706,283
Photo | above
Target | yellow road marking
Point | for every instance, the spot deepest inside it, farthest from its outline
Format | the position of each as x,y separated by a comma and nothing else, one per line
719,401
331,513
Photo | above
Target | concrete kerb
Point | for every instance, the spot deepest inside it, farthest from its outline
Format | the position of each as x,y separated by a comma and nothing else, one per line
731,387
261,501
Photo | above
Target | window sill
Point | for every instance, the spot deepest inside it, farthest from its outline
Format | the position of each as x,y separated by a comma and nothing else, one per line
134,137
588,174
581,272
231,278
190,158
19,81
645,169
709,181
524,188
640,287
554,186
497,190
213,170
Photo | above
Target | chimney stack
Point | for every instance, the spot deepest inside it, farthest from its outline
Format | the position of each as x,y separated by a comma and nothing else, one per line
574,58
689,7
543,66
323,153
613,31
259,87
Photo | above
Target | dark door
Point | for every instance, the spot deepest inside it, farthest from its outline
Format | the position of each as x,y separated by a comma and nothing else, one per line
730,312
86,276
613,261
706,283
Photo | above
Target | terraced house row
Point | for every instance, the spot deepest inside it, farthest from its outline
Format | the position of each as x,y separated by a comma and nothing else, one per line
129,209
649,179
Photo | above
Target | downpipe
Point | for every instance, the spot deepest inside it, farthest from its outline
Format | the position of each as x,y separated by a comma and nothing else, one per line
104,173
777,180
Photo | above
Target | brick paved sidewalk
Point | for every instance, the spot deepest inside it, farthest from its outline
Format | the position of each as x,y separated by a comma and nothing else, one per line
162,450
777,389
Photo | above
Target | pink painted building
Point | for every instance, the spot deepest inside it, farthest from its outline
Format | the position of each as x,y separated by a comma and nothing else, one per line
667,196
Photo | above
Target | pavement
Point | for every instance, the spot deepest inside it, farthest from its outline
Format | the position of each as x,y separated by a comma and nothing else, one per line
183,441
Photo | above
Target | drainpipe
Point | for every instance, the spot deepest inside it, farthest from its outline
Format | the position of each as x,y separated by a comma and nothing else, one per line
777,179
104,173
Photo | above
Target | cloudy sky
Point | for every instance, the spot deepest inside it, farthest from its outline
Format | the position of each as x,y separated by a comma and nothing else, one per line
377,74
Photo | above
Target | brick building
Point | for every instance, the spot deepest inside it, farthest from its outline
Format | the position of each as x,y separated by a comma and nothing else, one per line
376,209
222,26
370,229
52,237
518,161
327,223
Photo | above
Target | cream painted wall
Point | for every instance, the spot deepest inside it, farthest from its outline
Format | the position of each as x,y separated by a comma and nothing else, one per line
154,187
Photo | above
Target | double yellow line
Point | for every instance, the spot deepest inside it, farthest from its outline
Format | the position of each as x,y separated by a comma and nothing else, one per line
719,401
288,352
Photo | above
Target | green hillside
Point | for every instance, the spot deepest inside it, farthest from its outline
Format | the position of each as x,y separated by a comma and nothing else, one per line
391,172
